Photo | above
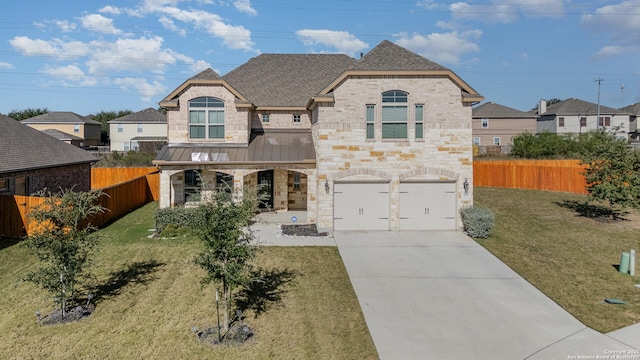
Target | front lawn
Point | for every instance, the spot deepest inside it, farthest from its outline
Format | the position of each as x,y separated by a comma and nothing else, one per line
149,297
570,257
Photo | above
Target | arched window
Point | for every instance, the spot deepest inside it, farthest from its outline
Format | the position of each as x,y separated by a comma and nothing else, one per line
394,114
206,118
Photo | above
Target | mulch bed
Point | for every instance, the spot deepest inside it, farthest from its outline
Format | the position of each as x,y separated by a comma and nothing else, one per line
74,314
302,230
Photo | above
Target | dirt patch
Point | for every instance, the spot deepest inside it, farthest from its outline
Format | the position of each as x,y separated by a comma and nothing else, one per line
302,230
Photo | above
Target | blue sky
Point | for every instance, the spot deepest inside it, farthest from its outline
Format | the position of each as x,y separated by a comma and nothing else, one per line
92,56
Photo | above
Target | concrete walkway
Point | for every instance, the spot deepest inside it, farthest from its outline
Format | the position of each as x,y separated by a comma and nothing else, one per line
440,295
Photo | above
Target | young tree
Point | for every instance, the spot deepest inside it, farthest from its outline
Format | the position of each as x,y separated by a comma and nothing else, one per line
612,171
221,222
63,242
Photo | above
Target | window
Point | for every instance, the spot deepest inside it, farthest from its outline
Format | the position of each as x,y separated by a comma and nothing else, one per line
120,129
224,182
206,118
394,114
496,141
604,121
370,121
4,185
583,121
296,181
192,185
139,126
76,128
419,120
22,186
126,146
476,140
296,118
135,146
265,118
485,123
561,121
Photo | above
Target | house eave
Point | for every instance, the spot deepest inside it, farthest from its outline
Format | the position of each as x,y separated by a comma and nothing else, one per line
169,101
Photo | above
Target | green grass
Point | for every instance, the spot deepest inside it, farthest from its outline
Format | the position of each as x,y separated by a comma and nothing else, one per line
149,296
569,257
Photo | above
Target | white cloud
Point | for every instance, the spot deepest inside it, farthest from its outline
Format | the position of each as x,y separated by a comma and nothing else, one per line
621,22
65,25
110,10
507,11
33,47
245,7
69,74
146,89
170,25
342,41
142,54
441,47
4,65
99,23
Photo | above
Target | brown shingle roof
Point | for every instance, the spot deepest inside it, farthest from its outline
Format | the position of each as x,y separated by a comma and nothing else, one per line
59,117
149,115
633,109
388,56
493,110
577,106
24,148
286,80
61,135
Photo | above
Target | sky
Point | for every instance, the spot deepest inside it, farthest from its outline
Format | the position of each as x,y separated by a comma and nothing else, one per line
93,56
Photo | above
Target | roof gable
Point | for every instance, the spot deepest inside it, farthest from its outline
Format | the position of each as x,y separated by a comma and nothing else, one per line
24,148
493,110
388,56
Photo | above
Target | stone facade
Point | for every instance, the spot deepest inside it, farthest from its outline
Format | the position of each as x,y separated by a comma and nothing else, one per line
344,153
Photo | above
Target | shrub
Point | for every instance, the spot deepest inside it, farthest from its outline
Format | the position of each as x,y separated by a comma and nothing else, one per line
477,221
176,218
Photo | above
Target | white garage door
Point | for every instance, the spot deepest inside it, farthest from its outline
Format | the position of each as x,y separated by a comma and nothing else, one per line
361,206
428,206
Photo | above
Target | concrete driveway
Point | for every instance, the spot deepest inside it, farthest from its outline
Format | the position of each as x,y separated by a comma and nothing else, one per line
440,295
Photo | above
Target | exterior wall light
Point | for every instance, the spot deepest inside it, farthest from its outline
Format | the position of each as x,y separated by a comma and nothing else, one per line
326,186
465,184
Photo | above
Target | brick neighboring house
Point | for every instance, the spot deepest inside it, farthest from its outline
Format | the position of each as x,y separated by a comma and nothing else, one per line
32,160
495,124
379,143
144,130
575,116
69,123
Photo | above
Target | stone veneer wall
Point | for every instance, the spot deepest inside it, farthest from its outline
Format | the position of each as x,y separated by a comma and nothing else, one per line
236,129
297,198
280,120
444,153
54,178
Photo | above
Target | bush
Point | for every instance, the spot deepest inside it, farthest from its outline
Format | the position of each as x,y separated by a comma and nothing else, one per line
174,218
477,221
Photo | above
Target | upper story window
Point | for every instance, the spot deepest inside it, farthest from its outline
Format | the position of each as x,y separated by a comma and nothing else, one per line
419,117
485,123
370,121
583,121
296,118
265,118
139,127
206,118
604,121
120,128
394,114
76,128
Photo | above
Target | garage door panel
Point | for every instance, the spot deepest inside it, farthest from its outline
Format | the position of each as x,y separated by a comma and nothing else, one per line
427,206
361,206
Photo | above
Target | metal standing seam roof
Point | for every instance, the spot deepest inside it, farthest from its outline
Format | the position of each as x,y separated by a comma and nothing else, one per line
493,110
269,147
24,148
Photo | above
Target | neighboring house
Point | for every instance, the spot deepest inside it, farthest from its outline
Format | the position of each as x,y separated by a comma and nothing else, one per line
68,138
495,124
32,160
634,111
143,130
379,143
574,116
70,123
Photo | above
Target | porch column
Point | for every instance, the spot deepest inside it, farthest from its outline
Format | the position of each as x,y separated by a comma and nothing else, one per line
238,184
312,198
167,191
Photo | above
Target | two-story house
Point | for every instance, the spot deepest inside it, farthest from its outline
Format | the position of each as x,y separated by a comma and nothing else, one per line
495,124
574,116
143,130
379,143
68,123
634,111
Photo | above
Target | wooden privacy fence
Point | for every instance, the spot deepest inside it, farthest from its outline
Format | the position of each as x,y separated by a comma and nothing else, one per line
549,175
123,193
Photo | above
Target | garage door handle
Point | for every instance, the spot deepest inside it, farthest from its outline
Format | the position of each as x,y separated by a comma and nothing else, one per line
426,211
449,218
338,218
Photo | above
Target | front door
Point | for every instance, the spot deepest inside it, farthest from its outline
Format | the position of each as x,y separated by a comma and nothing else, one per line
265,189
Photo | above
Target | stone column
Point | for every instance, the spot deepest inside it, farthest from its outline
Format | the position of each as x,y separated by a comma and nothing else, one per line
312,196
167,190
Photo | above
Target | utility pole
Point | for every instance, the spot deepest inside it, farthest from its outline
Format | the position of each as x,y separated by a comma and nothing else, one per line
598,80
622,95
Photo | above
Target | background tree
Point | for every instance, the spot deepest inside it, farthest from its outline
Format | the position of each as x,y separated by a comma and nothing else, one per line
103,117
613,171
63,242
221,222
26,113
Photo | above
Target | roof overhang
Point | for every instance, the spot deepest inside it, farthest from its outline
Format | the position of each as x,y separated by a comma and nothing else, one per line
171,101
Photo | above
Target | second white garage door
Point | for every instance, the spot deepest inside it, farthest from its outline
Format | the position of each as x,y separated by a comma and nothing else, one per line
428,206
361,206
